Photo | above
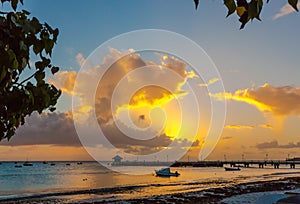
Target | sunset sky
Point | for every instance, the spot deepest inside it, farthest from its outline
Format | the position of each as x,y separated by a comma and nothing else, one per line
259,67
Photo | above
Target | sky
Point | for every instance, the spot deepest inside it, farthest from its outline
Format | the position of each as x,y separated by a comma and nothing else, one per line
258,66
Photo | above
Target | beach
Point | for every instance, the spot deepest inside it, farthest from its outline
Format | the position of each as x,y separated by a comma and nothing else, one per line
238,193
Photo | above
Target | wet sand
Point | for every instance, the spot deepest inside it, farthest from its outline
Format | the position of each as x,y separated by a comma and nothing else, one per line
212,195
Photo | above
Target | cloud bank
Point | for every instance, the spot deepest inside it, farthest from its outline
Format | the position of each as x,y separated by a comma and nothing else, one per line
46,129
275,145
58,128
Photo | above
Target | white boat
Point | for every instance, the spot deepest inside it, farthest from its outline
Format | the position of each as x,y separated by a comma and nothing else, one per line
166,172
232,168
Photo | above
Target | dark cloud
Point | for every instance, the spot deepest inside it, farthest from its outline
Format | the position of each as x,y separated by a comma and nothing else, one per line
58,129
274,144
48,128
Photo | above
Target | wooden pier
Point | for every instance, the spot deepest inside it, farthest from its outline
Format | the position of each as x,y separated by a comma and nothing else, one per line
241,163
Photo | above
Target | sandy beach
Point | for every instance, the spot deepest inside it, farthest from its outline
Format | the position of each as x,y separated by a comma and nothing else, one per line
236,193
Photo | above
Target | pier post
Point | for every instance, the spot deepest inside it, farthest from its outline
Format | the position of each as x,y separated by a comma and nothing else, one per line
260,165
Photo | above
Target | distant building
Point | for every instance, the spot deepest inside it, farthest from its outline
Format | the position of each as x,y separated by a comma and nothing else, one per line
117,160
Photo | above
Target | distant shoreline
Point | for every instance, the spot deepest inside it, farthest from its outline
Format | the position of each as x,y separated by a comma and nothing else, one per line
211,195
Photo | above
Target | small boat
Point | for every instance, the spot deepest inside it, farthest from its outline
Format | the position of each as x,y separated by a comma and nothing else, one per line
232,168
52,164
68,164
44,162
27,164
18,166
79,163
166,172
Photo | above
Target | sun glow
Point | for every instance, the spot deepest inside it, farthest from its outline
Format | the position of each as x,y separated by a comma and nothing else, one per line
162,113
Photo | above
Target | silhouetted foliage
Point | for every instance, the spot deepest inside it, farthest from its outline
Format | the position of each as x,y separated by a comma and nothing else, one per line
21,35
247,10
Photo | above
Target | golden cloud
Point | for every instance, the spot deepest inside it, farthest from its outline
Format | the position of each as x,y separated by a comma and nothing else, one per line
65,80
238,127
266,126
148,96
280,101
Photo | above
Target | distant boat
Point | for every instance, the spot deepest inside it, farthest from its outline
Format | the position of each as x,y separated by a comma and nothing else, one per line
52,164
79,163
232,168
18,166
27,164
68,164
44,162
165,172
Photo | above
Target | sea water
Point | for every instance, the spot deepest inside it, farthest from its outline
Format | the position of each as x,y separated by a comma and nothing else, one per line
44,179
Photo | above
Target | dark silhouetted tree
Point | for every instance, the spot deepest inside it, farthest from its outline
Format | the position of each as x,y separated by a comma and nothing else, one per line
21,35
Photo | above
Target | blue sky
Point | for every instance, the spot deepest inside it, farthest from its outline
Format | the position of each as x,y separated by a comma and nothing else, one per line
263,52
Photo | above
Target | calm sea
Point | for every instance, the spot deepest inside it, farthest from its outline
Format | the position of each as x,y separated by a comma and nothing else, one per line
44,178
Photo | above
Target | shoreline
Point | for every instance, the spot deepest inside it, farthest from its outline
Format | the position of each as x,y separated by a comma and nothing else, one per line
211,195
216,195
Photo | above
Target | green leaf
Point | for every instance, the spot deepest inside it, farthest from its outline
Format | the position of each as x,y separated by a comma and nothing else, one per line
10,133
231,6
48,46
24,62
260,6
15,64
36,24
196,3
38,47
39,76
31,97
14,4
244,19
3,74
54,70
23,46
55,34
25,12
240,10
294,3
252,9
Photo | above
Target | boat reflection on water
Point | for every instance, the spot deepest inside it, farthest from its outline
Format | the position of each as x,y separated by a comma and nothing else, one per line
165,172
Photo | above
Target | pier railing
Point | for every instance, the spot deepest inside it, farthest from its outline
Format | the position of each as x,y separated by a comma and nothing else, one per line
216,163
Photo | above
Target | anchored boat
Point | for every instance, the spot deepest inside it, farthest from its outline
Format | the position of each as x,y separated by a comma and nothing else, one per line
166,172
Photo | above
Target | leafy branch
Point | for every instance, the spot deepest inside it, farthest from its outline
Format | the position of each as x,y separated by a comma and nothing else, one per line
247,10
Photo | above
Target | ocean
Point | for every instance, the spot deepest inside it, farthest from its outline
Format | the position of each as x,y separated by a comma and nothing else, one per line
46,179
